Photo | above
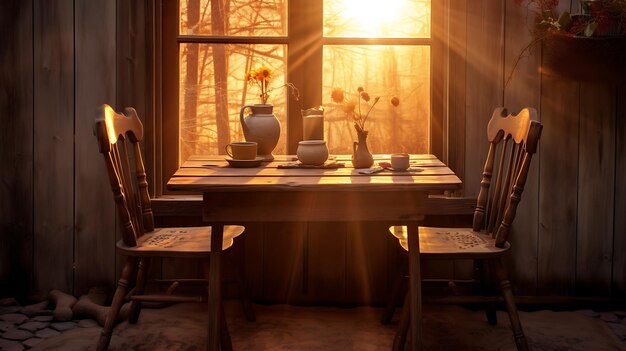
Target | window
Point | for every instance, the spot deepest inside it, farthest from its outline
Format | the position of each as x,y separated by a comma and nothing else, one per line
318,45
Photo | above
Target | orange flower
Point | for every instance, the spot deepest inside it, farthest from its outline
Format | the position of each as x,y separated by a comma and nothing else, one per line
337,95
261,77
356,110
349,106
267,74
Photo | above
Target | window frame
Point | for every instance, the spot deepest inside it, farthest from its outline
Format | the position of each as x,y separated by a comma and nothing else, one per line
305,18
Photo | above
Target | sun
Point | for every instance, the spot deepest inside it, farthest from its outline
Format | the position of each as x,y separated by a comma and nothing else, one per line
371,16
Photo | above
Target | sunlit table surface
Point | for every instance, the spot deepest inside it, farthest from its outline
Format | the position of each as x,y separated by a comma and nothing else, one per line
269,193
212,173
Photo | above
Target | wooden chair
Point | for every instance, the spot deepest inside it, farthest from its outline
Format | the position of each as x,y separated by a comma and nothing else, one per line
513,141
118,137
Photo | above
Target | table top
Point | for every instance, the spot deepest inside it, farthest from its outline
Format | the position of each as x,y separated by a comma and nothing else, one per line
211,173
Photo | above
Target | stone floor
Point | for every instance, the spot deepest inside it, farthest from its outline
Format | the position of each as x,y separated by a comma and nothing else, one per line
283,327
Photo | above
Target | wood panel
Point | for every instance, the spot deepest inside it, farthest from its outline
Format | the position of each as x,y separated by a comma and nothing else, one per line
456,95
457,100
53,144
596,183
367,263
16,153
94,208
253,239
558,173
326,258
619,231
558,200
283,261
522,89
483,84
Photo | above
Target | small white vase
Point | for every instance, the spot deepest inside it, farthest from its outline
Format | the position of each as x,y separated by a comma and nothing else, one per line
312,152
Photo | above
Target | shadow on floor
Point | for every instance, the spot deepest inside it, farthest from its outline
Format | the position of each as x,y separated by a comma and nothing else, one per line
282,327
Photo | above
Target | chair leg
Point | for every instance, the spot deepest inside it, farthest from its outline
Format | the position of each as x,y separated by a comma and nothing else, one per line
486,287
399,340
142,274
118,301
396,290
509,301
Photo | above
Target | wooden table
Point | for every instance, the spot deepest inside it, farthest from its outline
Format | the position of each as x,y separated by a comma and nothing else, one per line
268,193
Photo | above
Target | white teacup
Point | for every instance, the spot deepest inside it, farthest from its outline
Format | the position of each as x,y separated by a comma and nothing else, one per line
400,162
242,150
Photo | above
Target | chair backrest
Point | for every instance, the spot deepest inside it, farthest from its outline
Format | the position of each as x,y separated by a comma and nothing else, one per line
118,138
513,141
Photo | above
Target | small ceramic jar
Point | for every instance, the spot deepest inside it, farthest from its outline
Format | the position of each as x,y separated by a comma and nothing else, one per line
312,152
400,162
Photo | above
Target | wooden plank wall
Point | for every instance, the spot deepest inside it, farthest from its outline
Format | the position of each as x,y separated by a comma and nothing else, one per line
58,225
16,153
55,211
53,142
569,235
94,244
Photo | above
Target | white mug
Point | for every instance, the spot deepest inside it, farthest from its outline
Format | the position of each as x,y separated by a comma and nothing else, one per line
242,150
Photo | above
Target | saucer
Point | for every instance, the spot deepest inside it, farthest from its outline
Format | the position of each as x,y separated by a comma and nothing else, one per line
244,163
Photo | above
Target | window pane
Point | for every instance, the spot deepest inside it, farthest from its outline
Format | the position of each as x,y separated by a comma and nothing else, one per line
233,17
213,90
385,71
377,19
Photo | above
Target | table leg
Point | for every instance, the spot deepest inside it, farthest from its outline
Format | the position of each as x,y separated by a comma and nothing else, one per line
215,286
415,286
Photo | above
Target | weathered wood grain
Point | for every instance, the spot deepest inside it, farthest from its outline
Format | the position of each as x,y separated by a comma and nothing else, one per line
347,166
283,262
483,83
95,226
523,90
374,183
619,213
54,144
596,184
16,153
558,176
326,262
457,95
366,264
290,158
278,206
253,241
222,171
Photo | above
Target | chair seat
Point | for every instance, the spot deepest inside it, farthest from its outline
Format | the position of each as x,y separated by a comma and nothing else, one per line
451,242
179,242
